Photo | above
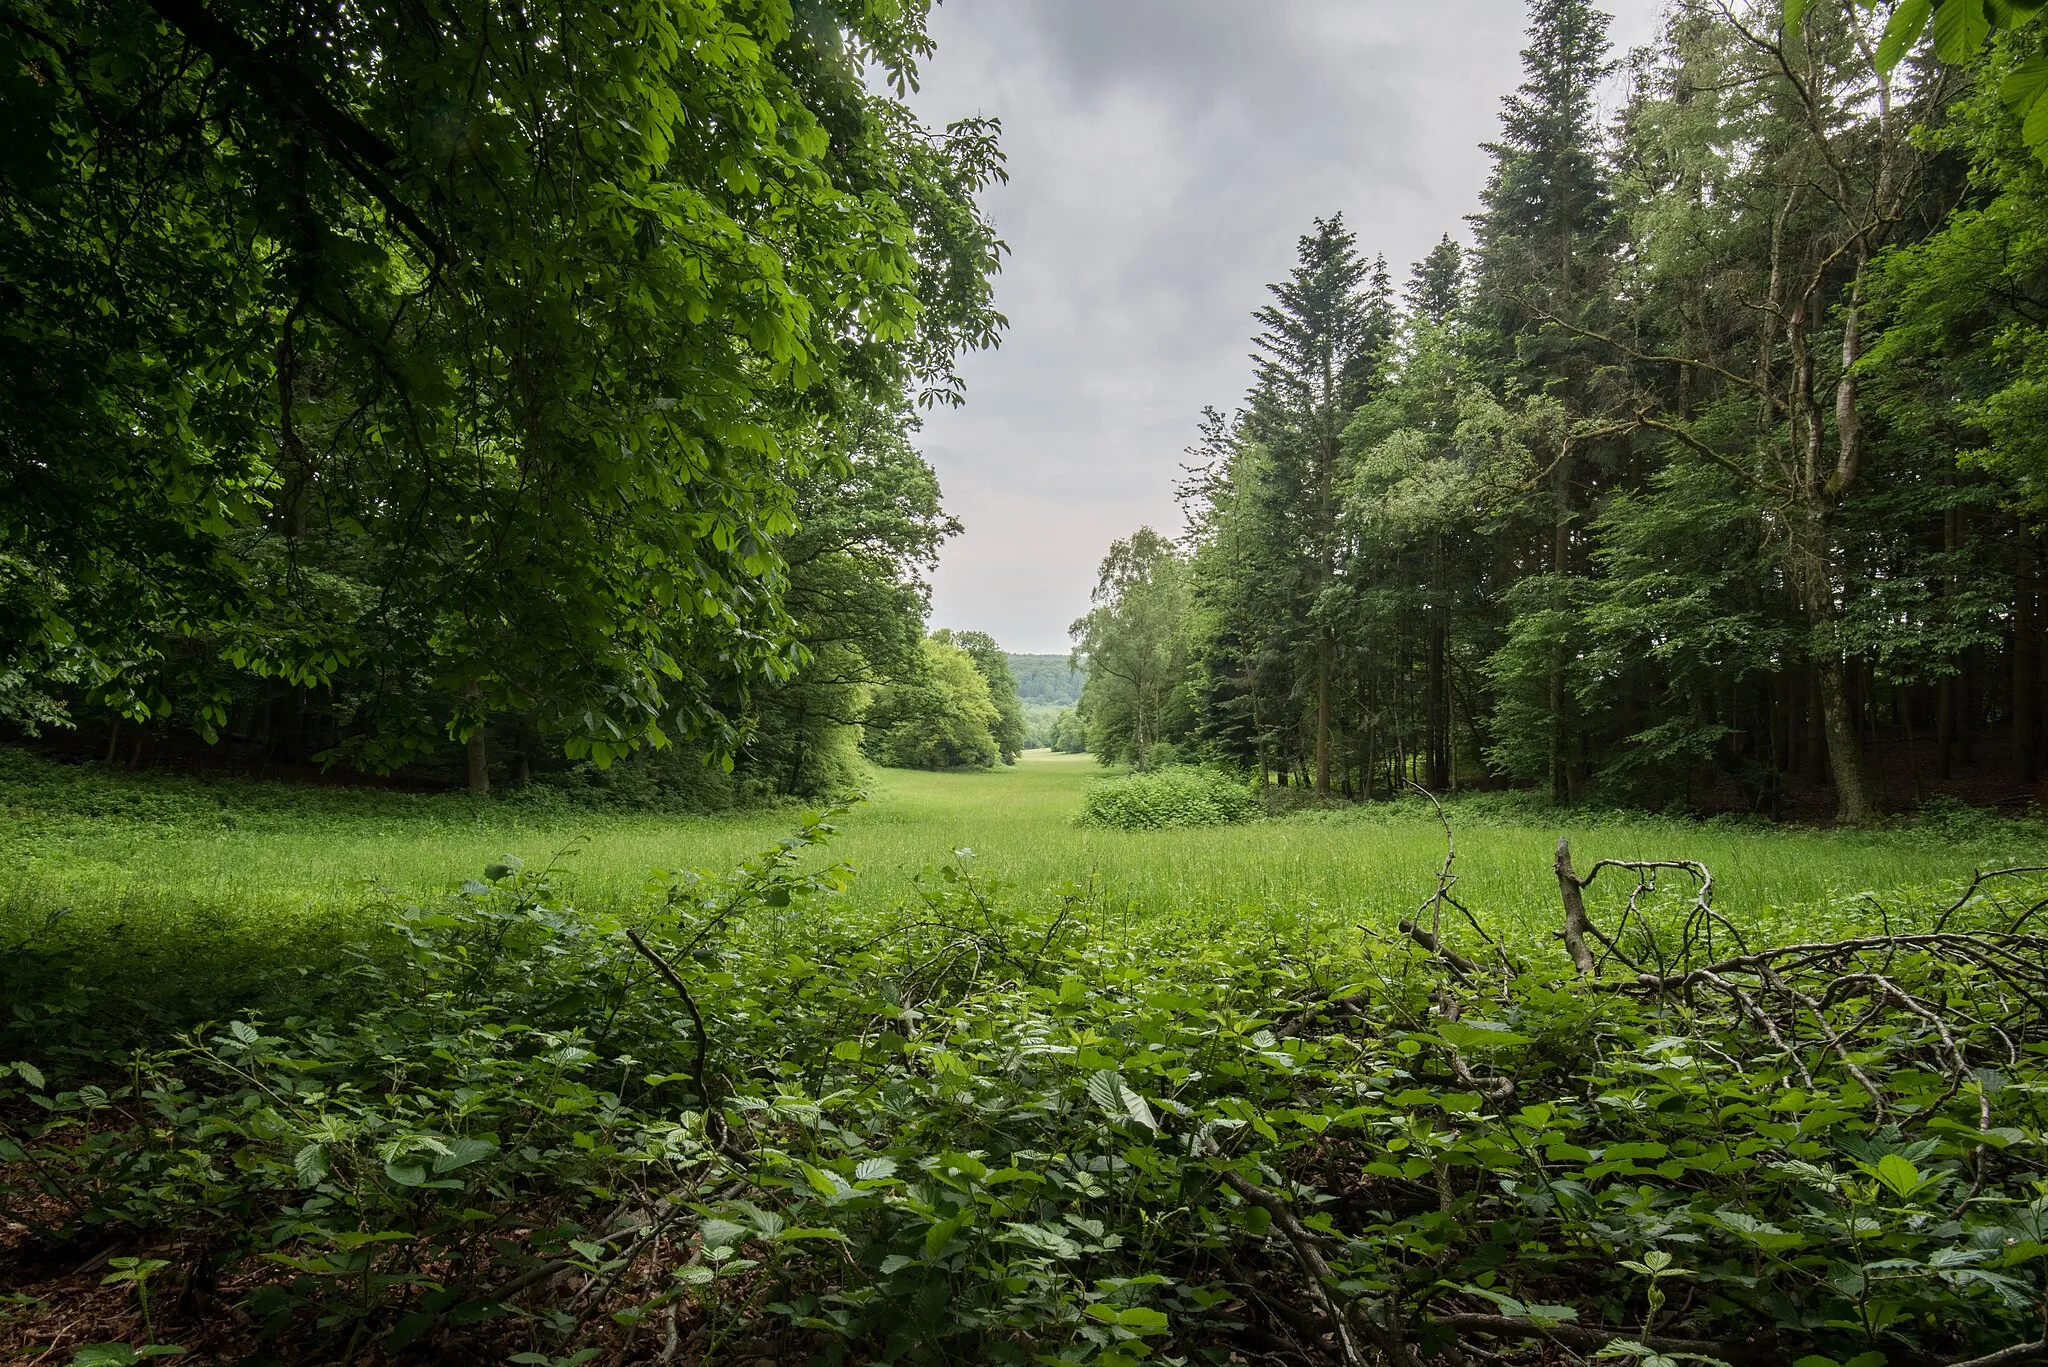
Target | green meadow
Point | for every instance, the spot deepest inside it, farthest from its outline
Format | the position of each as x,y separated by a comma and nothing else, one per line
157,856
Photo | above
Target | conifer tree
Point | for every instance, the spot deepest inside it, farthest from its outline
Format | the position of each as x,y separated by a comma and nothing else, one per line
1436,284
1323,342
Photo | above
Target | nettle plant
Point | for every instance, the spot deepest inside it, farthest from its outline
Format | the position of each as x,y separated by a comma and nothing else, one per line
751,1120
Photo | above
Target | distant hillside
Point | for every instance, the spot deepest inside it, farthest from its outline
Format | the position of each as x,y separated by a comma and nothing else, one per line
1046,679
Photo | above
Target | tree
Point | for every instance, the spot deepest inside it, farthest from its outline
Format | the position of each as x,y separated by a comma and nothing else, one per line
1321,344
437,366
942,718
1132,641
868,531
1436,285
994,666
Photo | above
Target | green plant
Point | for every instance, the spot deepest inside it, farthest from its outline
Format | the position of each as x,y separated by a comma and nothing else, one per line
1169,797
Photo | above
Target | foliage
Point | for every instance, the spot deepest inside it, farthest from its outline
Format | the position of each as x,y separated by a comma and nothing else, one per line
972,1129
1050,680
1706,477
308,399
1131,639
941,718
1168,796
1011,729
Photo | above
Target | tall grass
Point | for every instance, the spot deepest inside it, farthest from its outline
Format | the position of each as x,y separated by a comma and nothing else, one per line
175,864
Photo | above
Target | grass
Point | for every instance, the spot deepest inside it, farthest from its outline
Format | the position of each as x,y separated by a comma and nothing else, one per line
161,857
960,1130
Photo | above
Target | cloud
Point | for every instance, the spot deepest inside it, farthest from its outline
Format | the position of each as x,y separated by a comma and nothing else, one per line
1164,156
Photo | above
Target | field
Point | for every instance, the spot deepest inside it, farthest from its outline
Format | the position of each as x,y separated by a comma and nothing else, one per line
1080,1096
167,857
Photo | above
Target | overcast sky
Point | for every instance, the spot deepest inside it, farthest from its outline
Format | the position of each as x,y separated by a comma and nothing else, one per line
1164,156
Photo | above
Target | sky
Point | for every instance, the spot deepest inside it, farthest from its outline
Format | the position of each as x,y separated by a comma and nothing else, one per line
1164,157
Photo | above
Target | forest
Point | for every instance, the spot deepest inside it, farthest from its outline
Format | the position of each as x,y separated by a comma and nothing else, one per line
501,863
358,421
1707,477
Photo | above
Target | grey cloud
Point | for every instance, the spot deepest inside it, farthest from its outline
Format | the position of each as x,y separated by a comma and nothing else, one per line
1164,156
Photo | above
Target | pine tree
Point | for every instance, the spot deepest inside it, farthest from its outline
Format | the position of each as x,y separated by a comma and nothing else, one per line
1548,215
1436,284
1324,342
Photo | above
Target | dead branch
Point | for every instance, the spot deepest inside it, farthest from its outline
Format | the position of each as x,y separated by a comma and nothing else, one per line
2005,1357
1977,880
1579,1336
1463,967
714,1122
1571,890
1442,897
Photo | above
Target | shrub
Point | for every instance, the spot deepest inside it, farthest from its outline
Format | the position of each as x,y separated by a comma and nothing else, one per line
1178,796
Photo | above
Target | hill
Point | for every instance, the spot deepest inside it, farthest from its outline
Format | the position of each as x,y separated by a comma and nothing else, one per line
1047,679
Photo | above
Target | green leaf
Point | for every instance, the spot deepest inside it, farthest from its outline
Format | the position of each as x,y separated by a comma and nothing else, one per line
1908,21
941,1233
2024,84
1106,1088
2035,127
1896,1173
1795,10
462,1152
1137,1319
1960,28
28,1073
723,1234
1479,1035
406,1174
310,1163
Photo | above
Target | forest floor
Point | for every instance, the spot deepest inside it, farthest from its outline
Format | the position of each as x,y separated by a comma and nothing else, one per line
409,1003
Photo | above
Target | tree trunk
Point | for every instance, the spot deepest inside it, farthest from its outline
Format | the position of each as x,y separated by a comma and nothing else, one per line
2026,678
1325,648
1845,751
479,763
1560,557
1944,728
1813,756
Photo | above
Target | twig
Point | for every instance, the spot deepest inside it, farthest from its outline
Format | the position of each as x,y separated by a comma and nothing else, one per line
2019,1352
714,1123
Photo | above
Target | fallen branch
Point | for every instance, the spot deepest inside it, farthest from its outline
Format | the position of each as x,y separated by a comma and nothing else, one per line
2004,1357
714,1122
1579,1335
1572,891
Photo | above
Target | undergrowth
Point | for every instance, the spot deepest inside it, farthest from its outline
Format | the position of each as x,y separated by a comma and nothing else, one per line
747,1121
1179,795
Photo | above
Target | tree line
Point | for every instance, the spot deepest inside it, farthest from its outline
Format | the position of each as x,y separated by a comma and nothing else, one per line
1710,473
474,390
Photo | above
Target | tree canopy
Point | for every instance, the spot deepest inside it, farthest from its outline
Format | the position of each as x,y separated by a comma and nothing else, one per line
424,366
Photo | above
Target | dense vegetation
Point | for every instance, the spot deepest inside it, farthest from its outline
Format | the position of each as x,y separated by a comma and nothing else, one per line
1049,687
729,1118
472,392
1707,476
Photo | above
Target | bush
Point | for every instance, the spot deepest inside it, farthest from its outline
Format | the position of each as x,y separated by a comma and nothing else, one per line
1165,798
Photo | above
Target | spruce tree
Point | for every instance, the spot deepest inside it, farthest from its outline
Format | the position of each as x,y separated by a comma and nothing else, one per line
1548,216
1325,340
1436,283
